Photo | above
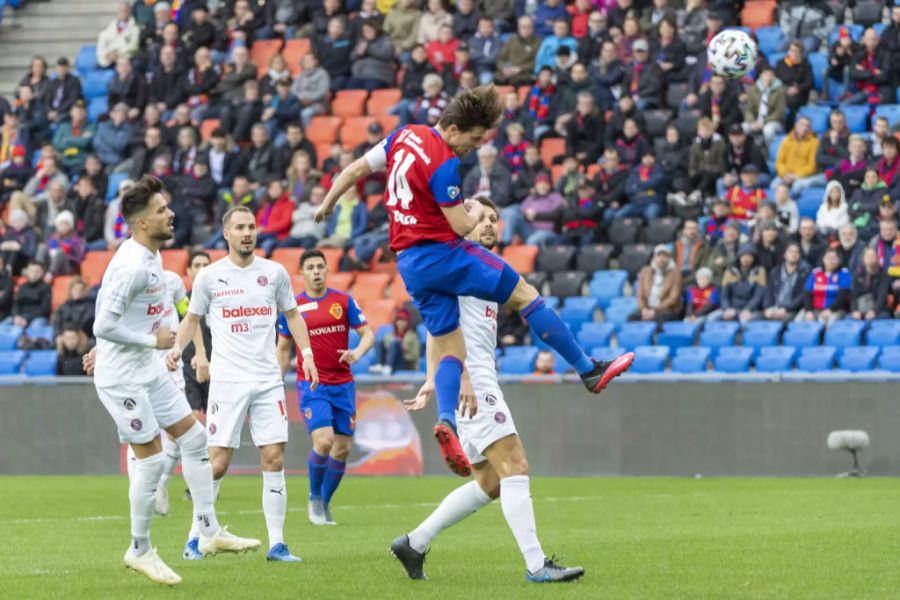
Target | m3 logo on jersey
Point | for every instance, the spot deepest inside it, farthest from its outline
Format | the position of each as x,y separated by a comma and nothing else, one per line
336,311
262,281
155,309
129,404
453,192
246,311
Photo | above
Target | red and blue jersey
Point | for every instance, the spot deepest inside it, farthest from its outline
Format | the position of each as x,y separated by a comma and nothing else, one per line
328,320
422,177
825,287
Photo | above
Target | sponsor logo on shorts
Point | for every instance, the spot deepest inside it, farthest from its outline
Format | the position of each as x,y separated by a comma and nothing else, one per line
212,429
490,399
500,417
336,311
307,413
246,311
155,309
262,281
129,404
136,424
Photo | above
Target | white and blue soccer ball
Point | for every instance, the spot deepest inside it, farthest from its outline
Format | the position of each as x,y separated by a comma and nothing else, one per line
732,53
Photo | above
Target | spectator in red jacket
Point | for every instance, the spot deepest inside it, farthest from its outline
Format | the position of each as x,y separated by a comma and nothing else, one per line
273,217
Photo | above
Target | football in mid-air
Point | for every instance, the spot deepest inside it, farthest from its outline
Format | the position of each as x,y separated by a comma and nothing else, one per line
732,53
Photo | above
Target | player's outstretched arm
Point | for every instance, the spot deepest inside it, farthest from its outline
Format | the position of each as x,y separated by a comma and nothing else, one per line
366,340
187,330
348,178
297,326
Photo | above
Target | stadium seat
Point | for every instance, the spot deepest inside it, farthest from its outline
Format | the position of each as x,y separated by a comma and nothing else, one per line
677,334
775,359
323,151
843,334
867,13
718,334
578,310
816,358
662,230
650,359
733,359
857,117
59,293
207,126
769,39
521,257
555,258
855,32
9,337
889,359
261,52
293,52
97,108
175,261
758,334
620,309
382,101
383,331
349,103
690,359
758,14
323,130
883,332
891,112
361,367
809,201
607,353
623,232
538,279
686,123
289,258
41,363
94,264
858,359
774,58
39,331
635,333
112,186
397,292
341,281
593,335
552,148
567,283
95,84
11,362
635,257
388,123
656,122
370,286
378,312
817,115
552,302
593,257
774,146
834,88
818,62
354,130
675,92
518,360
802,334
606,285
86,60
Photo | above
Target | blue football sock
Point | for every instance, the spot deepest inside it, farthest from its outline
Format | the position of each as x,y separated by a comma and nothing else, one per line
446,388
333,474
547,325
317,467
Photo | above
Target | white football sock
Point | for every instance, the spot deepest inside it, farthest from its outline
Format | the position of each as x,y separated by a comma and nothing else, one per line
515,499
141,491
274,501
195,527
198,475
130,459
457,505
172,453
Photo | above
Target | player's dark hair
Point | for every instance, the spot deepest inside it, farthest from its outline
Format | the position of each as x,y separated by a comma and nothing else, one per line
226,218
311,254
487,203
197,253
136,199
477,107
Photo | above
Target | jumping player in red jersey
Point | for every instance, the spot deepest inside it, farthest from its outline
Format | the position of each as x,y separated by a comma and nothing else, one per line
330,409
428,223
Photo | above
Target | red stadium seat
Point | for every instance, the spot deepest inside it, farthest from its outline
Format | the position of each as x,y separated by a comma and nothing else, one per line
323,151
758,13
293,53
261,52
333,259
349,103
341,281
60,292
388,123
215,255
94,264
551,148
175,261
397,291
289,258
382,101
556,171
378,312
207,127
353,131
370,286
523,93
521,258
323,130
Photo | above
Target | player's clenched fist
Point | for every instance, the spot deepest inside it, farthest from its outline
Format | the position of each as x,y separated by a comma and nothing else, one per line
87,361
165,338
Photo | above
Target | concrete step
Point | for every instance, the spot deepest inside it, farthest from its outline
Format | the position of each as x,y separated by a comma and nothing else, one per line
90,22
38,37
73,7
10,52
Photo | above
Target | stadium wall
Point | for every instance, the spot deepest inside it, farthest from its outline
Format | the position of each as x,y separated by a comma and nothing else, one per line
664,427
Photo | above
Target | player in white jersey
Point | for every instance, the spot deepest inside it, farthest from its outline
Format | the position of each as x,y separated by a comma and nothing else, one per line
138,392
241,296
488,437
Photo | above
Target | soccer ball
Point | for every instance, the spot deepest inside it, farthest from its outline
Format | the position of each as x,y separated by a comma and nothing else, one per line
732,53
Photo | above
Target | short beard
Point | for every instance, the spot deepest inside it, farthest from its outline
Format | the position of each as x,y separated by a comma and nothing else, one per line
243,253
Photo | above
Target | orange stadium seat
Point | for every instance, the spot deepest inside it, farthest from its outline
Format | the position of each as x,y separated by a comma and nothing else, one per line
370,286
758,13
378,312
333,259
551,148
397,291
323,130
349,103
293,53
521,258
341,281
353,131
593,170
215,255
261,52
298,284
289,258
60,292
388,122
188,282
373,200
382,101
94,264
523,93
175,261
207,127
556,172
323,151
377,265
503,90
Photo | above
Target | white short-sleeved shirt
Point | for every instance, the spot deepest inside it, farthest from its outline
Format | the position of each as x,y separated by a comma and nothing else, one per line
242,306
175,293
478,320
134,288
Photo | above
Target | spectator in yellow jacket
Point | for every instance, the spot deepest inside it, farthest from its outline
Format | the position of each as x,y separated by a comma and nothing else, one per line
795,164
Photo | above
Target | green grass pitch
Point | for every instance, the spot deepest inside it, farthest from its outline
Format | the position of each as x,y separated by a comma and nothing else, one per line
64,537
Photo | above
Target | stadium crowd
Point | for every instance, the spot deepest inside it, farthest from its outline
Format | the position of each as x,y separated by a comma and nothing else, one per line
770,197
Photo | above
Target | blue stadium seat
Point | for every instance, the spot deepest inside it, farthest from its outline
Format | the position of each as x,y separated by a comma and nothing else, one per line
41,332
691,359
620,309
819,64
844,333
677,334
518,360
560,364
889,360
552,302
578,310
835,88
773,147
40,363
95,83
774,58
883,332
857,117
382,332
758,334
636,333
855,32
592,335
879,28
422,331
9,337
816,358
11,362
817,115
733,359
775,359
809,201
97,108
889,111
606,285
858,358
803,333
769,39
607,353
361,367
86,60
718,334
112,189
650,359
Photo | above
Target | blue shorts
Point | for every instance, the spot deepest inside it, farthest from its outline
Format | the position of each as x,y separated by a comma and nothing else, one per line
436,275
329,406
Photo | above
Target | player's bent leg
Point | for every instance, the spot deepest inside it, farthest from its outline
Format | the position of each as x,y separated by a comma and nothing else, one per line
171,454
451,347
274,501
547,325
323,440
